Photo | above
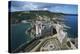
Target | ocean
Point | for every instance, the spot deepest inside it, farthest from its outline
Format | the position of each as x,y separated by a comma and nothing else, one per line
18,36
72,21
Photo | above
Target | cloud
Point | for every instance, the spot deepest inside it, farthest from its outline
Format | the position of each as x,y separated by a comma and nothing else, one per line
30,6
27,6
45,8
13,9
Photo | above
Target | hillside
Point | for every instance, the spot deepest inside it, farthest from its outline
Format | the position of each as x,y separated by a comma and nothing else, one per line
32,15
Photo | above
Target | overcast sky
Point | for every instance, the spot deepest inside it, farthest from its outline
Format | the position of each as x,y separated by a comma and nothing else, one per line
27,6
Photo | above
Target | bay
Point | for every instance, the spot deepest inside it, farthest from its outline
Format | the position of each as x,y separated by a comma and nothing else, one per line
18,35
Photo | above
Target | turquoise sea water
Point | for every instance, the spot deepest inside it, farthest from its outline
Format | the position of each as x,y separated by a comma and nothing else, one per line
18,35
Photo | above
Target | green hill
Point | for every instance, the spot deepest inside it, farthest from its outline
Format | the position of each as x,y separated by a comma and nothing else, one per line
32,15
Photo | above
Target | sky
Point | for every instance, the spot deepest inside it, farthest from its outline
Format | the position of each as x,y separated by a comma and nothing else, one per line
52,7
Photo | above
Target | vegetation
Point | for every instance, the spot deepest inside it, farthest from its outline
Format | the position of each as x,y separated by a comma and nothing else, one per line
32,15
